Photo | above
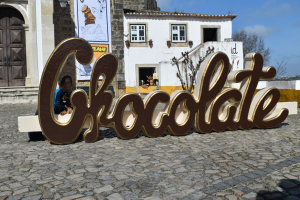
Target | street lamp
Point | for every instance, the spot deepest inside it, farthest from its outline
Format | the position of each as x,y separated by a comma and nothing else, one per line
63,4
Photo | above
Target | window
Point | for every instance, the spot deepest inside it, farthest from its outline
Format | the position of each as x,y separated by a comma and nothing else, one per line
138,33
210,34
178,33
144,73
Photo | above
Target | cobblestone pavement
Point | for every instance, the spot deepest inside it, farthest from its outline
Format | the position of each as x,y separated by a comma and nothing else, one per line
252,164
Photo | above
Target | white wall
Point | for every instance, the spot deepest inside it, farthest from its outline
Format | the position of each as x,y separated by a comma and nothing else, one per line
234,51
168,71
281,85
159,32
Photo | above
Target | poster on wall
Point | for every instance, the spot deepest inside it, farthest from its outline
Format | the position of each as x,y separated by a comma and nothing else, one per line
235,56
84,71
92,23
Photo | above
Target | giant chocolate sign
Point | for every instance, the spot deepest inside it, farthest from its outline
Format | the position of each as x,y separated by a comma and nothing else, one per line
208,108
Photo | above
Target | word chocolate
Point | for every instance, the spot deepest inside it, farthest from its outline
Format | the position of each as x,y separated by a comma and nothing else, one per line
209,108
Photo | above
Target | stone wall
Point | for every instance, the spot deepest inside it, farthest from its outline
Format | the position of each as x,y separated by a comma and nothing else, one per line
117,31
152,5
141,5
135,4
64,28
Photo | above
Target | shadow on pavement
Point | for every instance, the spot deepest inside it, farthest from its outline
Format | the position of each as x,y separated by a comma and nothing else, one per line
109,132
288,189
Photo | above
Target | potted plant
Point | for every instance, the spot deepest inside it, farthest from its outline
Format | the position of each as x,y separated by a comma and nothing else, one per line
168,42
190,42
150,42
127,43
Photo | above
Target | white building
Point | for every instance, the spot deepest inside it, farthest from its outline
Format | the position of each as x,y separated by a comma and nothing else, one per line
184,32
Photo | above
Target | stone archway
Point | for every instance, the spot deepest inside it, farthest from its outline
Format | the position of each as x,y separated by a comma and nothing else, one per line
13,70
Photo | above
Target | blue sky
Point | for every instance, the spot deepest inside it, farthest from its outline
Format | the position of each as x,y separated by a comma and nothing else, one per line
277,21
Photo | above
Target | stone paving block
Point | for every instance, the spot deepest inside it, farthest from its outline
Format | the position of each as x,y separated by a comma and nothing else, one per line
103,189
268,169
152,198
197,195
250,195
37,197
295,191
196,166
209,190
129,195
221,186
70,193
99,196
231,182
292,198
287,184
241,178
274,167
259,172
87,198
284,164
274,195
47,195
243,189
121,177
76,196
231,197
17,192
185,198
251,175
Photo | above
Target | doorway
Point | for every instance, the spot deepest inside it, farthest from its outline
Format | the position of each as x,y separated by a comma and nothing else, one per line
12,48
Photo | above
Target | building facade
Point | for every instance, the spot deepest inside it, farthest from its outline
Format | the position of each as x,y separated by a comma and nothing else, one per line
154,38
30,30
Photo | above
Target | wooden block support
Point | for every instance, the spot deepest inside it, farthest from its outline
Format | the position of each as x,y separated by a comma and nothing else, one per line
32,124
292,106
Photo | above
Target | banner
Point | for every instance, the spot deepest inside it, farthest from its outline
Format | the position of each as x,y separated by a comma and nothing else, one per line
92,23
84,71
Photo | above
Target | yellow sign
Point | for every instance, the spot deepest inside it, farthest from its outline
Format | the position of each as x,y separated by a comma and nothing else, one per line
99,49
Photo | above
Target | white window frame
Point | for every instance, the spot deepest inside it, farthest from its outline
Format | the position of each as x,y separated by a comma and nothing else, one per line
178,38
137,38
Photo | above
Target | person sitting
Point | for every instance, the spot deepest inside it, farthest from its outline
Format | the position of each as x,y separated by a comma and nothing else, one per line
64,91
59,106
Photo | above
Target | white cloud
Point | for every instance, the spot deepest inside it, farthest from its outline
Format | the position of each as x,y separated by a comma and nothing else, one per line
271,10
261,30
279,10
164,4
297,24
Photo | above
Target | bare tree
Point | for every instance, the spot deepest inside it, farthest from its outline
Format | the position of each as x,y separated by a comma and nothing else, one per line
281,67
189,70
252,43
